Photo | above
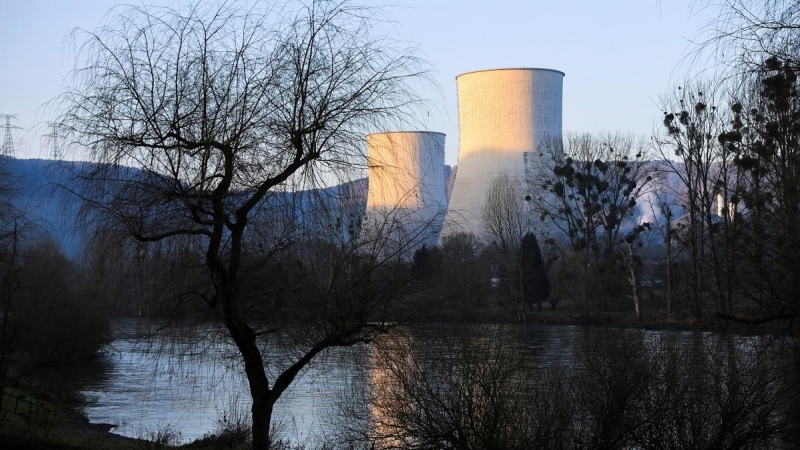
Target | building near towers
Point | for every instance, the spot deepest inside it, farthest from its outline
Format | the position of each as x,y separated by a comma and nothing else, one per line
504,115
406,199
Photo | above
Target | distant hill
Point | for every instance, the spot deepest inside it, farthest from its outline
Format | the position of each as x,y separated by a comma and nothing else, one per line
39,194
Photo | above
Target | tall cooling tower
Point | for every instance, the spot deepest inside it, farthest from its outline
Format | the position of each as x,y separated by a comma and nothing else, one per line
406,196
504,115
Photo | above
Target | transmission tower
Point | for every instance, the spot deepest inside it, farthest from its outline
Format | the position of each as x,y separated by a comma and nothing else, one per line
8,140
55,137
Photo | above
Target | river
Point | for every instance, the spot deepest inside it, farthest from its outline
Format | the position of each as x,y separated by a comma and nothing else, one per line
147,384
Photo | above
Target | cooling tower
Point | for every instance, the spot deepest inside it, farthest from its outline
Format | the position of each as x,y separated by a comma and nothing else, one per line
504,115
406,197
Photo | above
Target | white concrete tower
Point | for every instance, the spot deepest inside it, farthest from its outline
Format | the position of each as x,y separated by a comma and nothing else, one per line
504,115
406,194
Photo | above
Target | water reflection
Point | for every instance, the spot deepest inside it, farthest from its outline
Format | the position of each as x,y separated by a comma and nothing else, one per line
145,383
554,387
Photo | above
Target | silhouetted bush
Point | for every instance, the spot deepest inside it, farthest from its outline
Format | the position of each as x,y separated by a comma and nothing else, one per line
482,388
57,314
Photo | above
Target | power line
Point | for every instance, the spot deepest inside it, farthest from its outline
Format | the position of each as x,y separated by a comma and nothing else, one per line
55,137
8,140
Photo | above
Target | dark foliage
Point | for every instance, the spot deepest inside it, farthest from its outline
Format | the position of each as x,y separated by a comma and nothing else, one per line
592,185
535,282
482,388
58,315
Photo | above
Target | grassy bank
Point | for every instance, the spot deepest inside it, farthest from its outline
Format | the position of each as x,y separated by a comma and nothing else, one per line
34,419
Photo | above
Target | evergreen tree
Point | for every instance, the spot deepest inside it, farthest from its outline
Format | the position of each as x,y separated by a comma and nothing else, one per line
535,283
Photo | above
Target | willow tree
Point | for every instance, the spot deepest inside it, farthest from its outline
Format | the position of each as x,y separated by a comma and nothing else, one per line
216,110
745,33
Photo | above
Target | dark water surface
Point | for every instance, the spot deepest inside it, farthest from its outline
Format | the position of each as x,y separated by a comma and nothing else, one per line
145,383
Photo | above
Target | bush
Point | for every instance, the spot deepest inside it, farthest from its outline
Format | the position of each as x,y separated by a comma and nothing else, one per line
57,315
620,389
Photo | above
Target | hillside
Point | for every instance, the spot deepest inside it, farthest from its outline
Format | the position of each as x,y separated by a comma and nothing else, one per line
42,193
39,194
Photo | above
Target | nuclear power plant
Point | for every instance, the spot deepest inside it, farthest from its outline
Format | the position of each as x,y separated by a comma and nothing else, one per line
406,194
504,115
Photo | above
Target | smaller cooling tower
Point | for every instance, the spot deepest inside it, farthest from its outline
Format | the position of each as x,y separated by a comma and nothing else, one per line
406,197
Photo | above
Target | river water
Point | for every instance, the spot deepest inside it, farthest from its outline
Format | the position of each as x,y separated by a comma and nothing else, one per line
146,384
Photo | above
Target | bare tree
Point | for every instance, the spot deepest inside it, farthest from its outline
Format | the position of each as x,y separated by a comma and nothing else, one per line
460,388
759,45
765,139
12,229
695,123
220,108
631,262
506,218
747,32
484,387
591,187
660,205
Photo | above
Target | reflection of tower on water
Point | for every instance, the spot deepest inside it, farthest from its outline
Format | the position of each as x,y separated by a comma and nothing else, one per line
389,360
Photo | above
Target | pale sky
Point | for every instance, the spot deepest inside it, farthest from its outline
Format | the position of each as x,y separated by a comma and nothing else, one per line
619,56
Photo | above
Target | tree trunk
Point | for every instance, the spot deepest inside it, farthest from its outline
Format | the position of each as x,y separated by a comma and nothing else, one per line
245,339
585,284
669,262
696,237
259,390
635,294
698,282
634,284
262,420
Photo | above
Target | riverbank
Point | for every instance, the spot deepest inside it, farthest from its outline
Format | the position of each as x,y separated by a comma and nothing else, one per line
34,419
130,371
659,320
